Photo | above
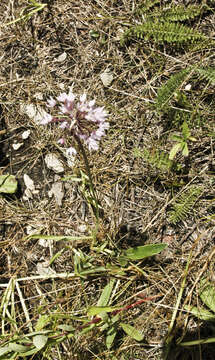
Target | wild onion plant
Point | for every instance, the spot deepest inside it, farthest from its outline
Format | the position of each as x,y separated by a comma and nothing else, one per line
82,123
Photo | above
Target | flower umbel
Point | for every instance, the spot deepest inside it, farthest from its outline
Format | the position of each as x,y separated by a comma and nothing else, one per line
80,119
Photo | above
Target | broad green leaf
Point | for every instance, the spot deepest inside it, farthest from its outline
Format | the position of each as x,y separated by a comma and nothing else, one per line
18,348
106,293
141,252
8,184
123,260
207,294
200,313
66,327
132,332
95,310
174,151
111,333
40,341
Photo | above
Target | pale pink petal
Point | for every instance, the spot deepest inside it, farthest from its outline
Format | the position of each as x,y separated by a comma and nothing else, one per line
62,97
61,141
71,151
64,125
46,119
83,98
51,102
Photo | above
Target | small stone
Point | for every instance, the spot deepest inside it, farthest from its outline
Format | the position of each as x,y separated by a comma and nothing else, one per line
61,57
53,163
16,146
106,78
26,134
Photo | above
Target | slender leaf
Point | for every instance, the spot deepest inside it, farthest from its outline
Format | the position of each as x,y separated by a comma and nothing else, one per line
95,310
106,293
111,333
17,347
4,350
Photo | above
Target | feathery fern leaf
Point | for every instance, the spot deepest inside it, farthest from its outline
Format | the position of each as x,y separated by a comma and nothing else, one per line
182,207
146,6
208,74
181,13
158,159
162,32
166,92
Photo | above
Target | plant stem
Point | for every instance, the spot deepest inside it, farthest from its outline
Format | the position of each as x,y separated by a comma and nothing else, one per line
87,166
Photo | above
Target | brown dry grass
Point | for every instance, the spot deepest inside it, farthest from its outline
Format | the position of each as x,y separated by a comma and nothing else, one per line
135,195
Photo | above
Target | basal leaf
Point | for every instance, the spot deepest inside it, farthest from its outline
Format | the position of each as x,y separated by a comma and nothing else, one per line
207,294
132,332
200,313
40,341
141,252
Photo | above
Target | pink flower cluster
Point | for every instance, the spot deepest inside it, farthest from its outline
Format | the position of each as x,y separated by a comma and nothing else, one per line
81,119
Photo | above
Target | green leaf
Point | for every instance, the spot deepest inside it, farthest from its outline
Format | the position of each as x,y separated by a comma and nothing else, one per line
174,151
40,341
111,333
42,322
8,184
185,150
141,252
17,347
106,293
95,310
200,313
122,260
94,34
4,350
185,130
207,294
66,327
132,332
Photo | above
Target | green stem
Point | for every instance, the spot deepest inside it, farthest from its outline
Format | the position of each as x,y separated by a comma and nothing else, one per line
87,166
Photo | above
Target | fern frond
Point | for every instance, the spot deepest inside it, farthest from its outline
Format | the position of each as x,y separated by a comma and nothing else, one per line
162,32
182,207
181,13
158,159
208,74
146,6
166,92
